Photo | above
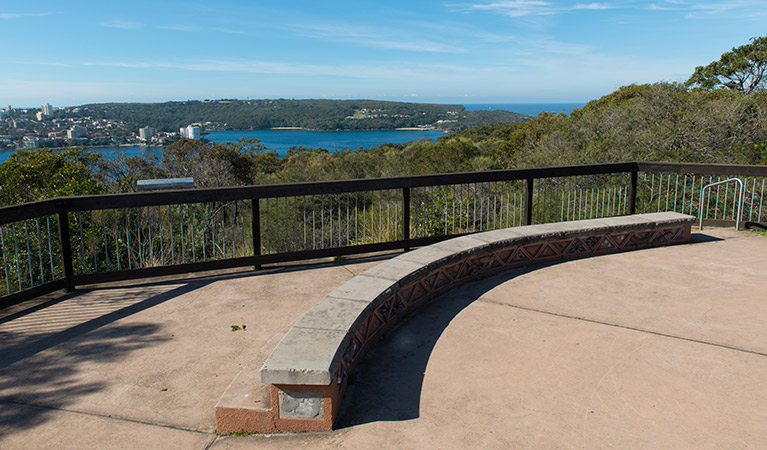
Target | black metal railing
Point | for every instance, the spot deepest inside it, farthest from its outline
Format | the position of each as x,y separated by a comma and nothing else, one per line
64,242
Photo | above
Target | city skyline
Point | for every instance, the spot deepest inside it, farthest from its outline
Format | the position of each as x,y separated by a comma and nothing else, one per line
479,51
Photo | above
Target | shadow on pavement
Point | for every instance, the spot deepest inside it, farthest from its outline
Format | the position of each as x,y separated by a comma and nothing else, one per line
43,348
386,386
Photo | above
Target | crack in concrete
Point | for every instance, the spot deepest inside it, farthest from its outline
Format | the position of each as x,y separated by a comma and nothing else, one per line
626,327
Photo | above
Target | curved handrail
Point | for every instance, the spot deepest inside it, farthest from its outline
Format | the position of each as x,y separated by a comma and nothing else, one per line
740,202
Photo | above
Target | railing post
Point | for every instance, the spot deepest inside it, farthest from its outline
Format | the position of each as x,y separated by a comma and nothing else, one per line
406,217
66,250
255,225
529,201
633,192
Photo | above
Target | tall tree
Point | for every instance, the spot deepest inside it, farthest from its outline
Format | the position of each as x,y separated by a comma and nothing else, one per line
742,69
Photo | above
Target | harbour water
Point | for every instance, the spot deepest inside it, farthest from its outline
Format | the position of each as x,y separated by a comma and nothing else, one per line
281,140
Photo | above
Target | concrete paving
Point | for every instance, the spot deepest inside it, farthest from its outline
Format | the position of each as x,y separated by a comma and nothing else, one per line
661,348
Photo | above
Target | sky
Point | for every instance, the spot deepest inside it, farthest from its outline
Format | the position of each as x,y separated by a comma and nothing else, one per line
478,51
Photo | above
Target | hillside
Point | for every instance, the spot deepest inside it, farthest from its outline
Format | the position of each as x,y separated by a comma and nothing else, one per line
309,114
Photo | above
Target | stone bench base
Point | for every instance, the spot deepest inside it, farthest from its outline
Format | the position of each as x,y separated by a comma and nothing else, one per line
308,372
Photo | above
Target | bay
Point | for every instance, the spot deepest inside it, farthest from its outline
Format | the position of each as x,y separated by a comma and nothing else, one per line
281,140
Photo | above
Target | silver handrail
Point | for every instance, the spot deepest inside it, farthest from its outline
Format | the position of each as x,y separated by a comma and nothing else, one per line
742,193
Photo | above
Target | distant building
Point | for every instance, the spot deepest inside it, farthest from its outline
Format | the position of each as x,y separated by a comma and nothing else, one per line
30,141
47,110
146,133
76,132
56,134
190,132
3,114
19,123
40,116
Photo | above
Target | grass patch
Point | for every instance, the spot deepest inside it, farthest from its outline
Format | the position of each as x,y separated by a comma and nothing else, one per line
757,231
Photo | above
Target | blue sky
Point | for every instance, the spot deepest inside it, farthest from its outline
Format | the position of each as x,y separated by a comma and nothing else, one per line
76,52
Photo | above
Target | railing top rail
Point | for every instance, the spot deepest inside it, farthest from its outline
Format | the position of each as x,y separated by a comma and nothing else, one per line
138,199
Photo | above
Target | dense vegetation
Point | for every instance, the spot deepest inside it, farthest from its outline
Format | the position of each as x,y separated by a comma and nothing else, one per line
309,114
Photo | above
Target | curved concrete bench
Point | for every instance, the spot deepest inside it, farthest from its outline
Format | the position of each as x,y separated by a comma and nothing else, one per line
305,377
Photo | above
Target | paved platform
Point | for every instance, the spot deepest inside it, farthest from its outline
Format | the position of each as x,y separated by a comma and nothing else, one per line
660,348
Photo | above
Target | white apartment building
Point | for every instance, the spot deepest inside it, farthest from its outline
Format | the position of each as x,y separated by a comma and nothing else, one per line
76,132
190,132
47,110
30,141
146,133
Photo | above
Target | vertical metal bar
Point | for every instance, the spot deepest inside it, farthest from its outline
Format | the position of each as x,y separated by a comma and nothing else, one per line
596,201
16,252
117,243
50,246
93,242
193,241
39,249
181,220
380,217
474,205
242,228
5,260
106,239
268,226
528,211
66,250
632,194
406,217
162,237
339,220
82,240
243,244
348,218
322,221
223,229
138,235
127,238
149,228
356,218
751,207
255,227
442,196
513,186
306,241
761,198
29,255
453,211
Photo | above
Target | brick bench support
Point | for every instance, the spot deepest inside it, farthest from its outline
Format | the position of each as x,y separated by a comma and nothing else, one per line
306,375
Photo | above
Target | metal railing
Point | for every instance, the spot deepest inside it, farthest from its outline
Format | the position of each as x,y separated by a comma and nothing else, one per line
740,192
64,242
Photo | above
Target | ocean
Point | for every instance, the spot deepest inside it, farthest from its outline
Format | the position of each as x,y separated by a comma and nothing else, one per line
530,109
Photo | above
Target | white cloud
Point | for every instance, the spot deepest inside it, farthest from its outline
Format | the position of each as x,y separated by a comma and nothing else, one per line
377,38
11,16
521,8
121,25
697,9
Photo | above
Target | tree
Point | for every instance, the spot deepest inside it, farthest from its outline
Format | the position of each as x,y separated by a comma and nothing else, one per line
30,175
742,69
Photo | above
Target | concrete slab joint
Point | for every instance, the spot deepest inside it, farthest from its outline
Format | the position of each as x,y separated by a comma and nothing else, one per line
308,370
